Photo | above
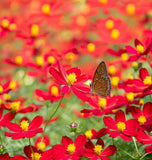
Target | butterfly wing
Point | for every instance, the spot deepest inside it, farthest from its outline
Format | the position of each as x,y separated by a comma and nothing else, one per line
101,83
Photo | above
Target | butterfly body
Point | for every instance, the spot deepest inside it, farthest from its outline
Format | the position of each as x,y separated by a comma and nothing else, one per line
101,83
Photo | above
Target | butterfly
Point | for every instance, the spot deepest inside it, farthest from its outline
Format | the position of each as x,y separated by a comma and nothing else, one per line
101,84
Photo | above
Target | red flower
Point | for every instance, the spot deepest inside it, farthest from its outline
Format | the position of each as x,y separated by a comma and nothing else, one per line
53,94
4,120
140,50
69,149
93,134
71,79
42,144
143,117
96,152
25,129
144,138
141,86
33,153
120,126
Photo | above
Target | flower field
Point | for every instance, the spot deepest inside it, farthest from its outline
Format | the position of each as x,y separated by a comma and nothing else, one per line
76,80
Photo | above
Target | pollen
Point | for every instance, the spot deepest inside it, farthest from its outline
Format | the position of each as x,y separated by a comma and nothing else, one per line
15,106
89,134
6,97
130,9
102,103
54,91
103,1
97,149
135,65
1,89
115,34
112,69
35,156
91,47
109,24
18,60
81,20
141,102
129,76
114,81
51,59
141,120
70,56
5,23
46,9
42,147
147,80
39,61
12,85
124,56
34,30
24,125
121,126
130,96
12,26
71,148
140,48
71,78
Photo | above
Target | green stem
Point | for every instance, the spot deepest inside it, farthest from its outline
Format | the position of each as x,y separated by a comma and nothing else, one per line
50,119
125,152
136,146
144,156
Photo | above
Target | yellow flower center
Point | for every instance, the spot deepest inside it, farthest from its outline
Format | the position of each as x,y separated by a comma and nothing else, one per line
46,9
35,156
71,78
141,101
81,20
6,97
89,134
12,26
97,149
1,89
135,65
39,61
71,148
1,101
5,23
34,30
115,81
130,96
130,9
54,91
140,48
82,114
42,147
86,9
12,85
121,126
129,76
103,1
141,120
147,80
70,56
102,103
51,59
115,34
15,106
91,47
18,60
24,125
124,56
112,70
109,24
